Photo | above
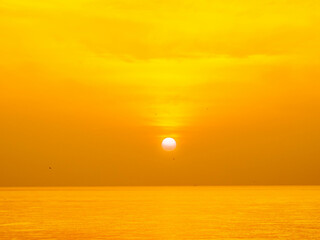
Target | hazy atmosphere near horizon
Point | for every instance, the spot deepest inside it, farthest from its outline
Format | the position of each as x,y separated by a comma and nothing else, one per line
89,90
159,119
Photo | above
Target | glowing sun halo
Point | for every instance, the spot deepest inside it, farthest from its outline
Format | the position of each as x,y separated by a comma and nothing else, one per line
168,144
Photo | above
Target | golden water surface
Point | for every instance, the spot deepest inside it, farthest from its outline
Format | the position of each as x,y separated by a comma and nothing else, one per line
283,212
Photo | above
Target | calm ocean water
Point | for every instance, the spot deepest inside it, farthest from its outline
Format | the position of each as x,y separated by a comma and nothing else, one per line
160,213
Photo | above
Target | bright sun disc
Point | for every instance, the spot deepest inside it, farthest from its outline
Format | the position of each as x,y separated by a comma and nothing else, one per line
168,144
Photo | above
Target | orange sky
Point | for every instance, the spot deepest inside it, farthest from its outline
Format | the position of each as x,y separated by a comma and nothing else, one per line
90,88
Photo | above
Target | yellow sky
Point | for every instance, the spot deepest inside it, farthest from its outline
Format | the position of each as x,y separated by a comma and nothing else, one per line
90,88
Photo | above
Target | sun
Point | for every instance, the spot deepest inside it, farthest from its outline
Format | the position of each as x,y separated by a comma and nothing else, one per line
168,144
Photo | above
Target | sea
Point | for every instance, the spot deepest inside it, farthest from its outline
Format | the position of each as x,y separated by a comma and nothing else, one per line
161,213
